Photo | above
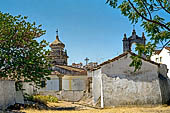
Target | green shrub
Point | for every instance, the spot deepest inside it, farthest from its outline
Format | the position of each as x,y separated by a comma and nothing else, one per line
45,99
41,98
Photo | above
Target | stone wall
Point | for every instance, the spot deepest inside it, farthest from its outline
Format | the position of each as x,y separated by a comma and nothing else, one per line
7,93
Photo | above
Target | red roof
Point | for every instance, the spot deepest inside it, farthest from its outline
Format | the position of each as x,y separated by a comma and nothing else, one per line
168,48
157,52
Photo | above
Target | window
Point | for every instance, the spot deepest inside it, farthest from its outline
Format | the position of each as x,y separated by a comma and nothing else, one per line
43,84
156,59
160,59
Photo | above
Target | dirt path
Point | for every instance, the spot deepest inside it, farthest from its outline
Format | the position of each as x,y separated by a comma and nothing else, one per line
77,108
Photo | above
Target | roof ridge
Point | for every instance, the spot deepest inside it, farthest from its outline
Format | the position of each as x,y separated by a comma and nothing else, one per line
120,56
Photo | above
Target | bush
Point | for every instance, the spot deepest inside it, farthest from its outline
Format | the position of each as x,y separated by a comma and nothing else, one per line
43,99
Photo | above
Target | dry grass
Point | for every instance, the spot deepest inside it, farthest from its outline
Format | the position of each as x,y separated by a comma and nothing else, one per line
157,109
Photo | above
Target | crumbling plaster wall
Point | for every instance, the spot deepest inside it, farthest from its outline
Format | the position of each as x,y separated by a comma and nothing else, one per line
123,86
164,83
96,85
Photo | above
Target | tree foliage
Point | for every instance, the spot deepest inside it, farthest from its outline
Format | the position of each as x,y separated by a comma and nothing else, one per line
22,58
150,14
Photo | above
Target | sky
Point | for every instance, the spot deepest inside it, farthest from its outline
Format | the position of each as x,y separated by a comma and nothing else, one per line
88,28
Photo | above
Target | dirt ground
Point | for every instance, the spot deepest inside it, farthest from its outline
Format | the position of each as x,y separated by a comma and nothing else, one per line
85,109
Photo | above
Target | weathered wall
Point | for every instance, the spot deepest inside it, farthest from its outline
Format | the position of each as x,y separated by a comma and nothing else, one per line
7,93
96,85
74,82
52,93
52,84
164,83
28,88
72,96
123,86
77,83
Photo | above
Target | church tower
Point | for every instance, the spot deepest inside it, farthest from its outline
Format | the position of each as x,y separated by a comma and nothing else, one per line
127,42
58,55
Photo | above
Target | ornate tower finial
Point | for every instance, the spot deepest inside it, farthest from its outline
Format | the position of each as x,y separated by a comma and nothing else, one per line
125,38
133,27
134,32
57,32
143,35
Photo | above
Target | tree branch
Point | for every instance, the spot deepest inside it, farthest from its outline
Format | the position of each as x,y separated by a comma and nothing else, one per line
165,45
147,9
163,7
147,18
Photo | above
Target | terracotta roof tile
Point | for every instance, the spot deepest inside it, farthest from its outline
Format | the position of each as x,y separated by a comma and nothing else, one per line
157,52
80,70
168,48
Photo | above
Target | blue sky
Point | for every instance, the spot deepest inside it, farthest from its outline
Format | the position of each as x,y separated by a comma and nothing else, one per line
88,28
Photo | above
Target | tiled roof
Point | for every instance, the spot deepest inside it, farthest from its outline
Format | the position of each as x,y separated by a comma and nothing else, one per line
157,52
120,56
55,73
168,48
70,68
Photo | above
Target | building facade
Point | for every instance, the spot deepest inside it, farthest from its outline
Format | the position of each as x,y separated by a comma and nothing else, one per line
115,83
163,57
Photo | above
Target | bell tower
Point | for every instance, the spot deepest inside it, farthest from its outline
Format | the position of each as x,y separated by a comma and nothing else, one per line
127,42
58,55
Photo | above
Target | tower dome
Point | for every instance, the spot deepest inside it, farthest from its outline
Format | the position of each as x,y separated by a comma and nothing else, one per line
57,43
58,55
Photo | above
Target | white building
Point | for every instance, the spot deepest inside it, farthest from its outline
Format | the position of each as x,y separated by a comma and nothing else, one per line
163,57
114,83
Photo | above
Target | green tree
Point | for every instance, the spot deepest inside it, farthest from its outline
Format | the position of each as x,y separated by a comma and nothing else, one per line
153,16
22,58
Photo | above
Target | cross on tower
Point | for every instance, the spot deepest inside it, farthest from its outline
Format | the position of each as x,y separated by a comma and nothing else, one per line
86,60
57,32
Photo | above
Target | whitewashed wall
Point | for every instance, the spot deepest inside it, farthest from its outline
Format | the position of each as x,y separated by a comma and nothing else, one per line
52,84
7,93
74,82
123,86
165,59
96,85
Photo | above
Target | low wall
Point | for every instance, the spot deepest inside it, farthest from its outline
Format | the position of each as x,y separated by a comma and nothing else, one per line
72,96
66,95
52,93
74,82
28,88
7,93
